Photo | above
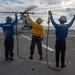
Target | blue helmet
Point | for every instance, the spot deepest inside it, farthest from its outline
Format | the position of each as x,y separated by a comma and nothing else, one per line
8,19
63,19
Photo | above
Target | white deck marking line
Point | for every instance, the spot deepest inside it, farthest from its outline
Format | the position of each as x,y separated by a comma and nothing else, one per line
50,49
38,61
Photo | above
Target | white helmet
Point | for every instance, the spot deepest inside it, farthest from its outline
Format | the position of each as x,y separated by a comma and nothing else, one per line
39,20
63,19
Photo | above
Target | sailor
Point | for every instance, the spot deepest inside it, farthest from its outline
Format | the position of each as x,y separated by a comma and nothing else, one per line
37,36
8,29
61,33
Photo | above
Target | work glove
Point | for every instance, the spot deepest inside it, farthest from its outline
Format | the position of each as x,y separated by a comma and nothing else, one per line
26,13
41,39
16,13
49,12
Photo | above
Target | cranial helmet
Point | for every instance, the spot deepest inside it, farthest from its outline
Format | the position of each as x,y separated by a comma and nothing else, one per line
63,19
8,19
39,20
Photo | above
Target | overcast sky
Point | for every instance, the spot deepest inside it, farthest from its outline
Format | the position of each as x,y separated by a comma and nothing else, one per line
58,8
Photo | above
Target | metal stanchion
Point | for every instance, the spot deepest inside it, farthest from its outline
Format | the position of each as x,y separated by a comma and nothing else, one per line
18,54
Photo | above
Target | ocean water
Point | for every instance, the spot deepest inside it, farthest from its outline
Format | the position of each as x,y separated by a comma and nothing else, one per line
46,27
52,28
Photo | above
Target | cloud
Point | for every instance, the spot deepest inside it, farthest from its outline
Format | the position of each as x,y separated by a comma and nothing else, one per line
70,11
58,7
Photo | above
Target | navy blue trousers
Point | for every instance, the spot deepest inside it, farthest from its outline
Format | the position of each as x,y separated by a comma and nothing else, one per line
60,48
9,45
36,40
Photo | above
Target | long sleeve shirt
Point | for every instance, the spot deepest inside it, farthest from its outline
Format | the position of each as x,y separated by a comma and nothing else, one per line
38,29
61,30
8,27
